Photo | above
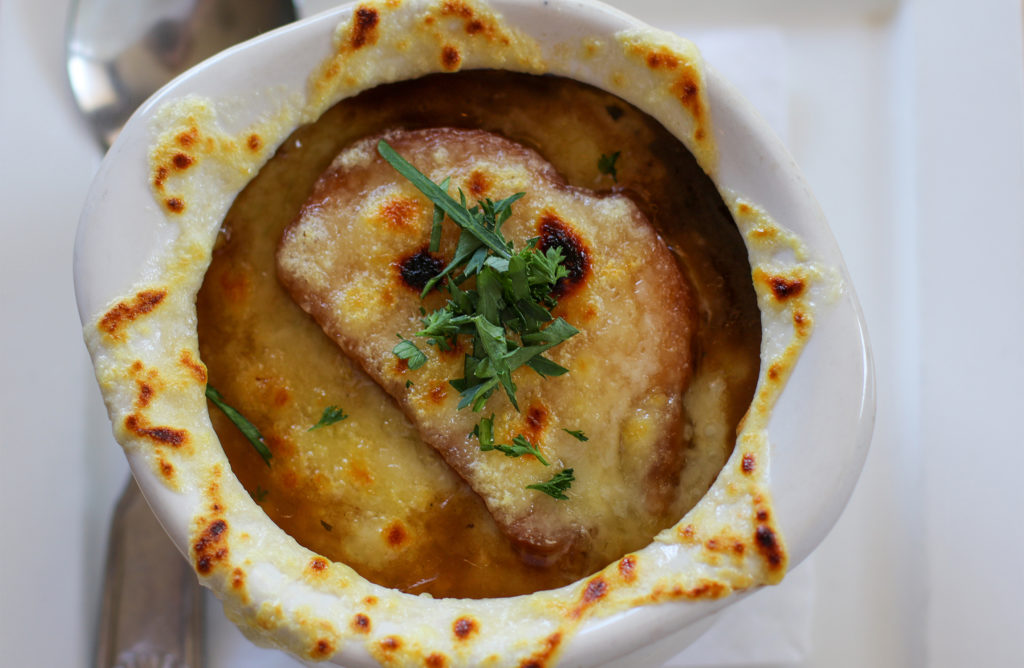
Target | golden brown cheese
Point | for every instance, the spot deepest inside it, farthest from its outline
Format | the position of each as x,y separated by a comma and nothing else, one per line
356,259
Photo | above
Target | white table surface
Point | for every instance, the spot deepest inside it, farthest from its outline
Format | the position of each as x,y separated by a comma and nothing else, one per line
908,120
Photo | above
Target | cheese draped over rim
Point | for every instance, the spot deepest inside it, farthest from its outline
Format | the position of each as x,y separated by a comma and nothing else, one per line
144,347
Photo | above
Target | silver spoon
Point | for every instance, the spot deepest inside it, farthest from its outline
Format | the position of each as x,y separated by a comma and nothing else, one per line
119,52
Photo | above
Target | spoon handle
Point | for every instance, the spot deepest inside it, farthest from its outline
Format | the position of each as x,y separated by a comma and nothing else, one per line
152,604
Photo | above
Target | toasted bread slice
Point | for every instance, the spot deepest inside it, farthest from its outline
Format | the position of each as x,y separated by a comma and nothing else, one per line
357,257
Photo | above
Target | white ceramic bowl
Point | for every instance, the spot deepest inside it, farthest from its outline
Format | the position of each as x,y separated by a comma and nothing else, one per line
820,425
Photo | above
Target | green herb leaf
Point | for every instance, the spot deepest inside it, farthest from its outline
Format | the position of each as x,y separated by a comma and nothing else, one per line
557,486
507,307
260,495
247,428
576,433
484,432
456,211
546,367
330,415
325,525
606,165
435,228
407,350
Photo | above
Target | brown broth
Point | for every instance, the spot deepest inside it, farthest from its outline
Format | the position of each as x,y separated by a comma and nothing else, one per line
367,491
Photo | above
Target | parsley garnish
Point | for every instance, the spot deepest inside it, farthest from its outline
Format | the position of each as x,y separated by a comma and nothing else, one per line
557,486
327,526
247,428
576,433
407,350
507,313
331,415
606,165
484,432
260,495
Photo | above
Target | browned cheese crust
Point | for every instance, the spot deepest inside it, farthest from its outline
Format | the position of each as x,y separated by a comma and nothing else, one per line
354,259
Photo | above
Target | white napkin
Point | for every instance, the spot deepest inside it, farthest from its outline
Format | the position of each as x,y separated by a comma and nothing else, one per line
771,627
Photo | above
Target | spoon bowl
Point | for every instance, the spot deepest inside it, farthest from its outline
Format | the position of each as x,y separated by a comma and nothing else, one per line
119,53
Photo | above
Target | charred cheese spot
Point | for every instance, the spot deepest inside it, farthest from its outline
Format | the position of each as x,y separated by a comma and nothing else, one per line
627,568
160,177
166,469
769,547
396,534
785,288
237,579
146,393
197,369
390,643
438,392
775,371
139,426
175,204
688,92
254,142
417,269
706,590
595,590
536,420
182,160
556,233
399,213
318,564
361,623
662,59
749,463
456,8
188,137
450,58
211,547
435,660
364,27
479,183
322,649
544,656
464,627
802,321
473,24
126,312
